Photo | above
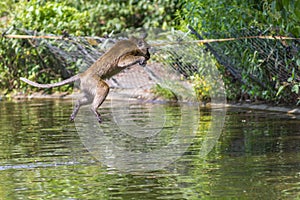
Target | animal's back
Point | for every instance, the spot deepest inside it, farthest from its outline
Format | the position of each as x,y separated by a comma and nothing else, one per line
107,65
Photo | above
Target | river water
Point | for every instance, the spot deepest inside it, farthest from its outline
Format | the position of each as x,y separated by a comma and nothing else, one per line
147,151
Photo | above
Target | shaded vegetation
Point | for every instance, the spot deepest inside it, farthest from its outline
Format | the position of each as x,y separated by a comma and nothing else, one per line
269,70
164,92
77,18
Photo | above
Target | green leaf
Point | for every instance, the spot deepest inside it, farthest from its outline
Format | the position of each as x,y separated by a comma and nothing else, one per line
298,62
296,89
280,89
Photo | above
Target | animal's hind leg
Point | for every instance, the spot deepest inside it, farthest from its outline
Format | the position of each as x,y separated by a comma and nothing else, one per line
80,102
101,92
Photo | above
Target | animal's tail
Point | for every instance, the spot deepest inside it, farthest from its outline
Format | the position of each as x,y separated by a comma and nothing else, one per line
64,82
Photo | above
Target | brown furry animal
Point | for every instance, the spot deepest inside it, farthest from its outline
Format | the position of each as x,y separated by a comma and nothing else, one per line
123,54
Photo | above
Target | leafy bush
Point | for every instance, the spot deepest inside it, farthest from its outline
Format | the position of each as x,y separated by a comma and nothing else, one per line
91,17
114,15
202,87
163,92
51,17
222,18
32,59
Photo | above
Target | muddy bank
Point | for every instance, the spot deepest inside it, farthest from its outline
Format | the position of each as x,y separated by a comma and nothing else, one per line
285,109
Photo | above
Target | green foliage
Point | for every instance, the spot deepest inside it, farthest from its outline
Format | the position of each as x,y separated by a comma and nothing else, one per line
222,18
287,14
224,15
163,92
114,15
23,59
202,87
51,17
29,58
93,17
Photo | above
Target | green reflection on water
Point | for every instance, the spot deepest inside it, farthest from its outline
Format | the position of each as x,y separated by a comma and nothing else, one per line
42,157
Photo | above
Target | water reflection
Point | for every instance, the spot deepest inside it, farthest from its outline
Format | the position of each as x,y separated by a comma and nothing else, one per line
128,142
42,156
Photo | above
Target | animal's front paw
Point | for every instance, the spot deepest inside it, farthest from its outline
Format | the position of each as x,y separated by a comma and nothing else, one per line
143,62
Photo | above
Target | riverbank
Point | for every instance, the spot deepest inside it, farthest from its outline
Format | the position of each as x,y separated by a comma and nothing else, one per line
146,96
136,83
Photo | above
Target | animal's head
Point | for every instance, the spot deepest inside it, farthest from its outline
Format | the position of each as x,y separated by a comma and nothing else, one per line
142,45
130,52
